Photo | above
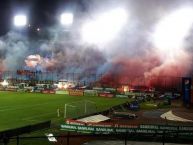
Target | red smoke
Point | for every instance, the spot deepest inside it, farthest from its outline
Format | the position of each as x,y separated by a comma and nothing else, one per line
147,70
2,66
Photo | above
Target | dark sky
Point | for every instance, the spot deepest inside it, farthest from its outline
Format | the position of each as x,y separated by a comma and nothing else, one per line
40,12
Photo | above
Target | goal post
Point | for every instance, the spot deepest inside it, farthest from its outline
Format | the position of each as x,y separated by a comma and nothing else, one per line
65,109
79,108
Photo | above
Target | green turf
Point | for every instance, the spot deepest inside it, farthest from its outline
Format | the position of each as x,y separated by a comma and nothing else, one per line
150,105
20,109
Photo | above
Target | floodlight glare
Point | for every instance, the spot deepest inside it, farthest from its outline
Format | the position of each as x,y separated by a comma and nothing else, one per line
4,83
172,30
20,20
66,19
104,27
38,29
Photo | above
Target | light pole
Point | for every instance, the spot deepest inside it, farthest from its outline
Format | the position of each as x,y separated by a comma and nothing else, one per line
19,22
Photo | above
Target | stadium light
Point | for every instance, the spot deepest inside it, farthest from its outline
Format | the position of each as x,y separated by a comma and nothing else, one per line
4,83
20,20
105,26
66,19
171,31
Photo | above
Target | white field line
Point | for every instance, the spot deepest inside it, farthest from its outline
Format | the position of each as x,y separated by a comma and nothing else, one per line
24,106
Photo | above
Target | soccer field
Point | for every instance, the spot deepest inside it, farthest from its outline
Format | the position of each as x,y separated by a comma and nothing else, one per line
20,109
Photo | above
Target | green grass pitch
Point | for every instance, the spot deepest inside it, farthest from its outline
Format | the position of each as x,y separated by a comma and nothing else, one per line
19,109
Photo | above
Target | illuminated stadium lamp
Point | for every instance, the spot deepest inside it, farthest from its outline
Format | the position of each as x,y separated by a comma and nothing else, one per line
38,29
125,88
66,19
4,83
65,86
104,27
20,20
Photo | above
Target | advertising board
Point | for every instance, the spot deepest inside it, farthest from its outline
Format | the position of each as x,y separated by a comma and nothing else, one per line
62,92
11,89
108,95
110,89
76,93
147,129
121,96
48,92
90,92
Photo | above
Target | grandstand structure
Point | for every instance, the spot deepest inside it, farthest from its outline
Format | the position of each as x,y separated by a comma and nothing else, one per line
25,75
93,79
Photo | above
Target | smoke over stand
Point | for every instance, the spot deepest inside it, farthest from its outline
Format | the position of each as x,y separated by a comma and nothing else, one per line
148,42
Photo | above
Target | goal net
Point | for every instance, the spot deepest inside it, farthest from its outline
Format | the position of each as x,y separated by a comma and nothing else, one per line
79,108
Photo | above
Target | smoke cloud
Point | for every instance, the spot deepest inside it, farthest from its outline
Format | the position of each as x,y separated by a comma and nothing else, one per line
14,48
131,53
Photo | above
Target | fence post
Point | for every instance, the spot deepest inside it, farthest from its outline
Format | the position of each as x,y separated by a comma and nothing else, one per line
17,140
163,137
126,138
68,138
5,140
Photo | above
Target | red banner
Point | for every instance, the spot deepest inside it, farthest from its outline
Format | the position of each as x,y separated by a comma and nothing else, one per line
108,95
48,91
101,124
25,72
74,122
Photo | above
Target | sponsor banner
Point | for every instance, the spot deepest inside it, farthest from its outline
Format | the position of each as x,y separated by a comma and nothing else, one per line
138,93
76,93
25,72
100,124
74,122
48,91
110,89
121,96
167,127
37,91
45,91
149,129
98,89
134,93
52,92
62,92
11,89
108,95
90,92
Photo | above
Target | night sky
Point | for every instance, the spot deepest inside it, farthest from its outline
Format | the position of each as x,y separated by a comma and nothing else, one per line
41,13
